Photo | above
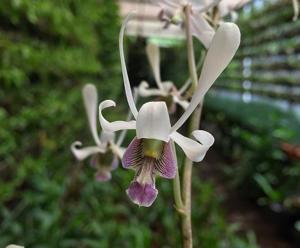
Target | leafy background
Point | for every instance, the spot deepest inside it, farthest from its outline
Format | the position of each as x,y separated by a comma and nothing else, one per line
48,50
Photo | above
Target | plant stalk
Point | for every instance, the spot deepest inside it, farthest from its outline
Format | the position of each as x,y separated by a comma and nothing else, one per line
193,125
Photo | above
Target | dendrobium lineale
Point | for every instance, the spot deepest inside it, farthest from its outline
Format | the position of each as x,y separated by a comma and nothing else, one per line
151,153
166,90
106,154
172,12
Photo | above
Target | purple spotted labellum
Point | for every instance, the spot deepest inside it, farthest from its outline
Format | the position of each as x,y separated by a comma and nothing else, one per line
149,158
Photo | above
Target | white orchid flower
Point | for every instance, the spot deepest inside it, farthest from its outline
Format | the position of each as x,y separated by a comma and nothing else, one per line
165,90
151,153
173,12
14,246
106,153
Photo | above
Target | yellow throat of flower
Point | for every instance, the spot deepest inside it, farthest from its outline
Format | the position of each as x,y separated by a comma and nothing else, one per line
153,148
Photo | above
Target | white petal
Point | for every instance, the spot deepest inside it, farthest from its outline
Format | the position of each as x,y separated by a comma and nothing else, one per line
129,117
201,29
194,150
107,136
115,125
14,246
153,121
222,49
90,99
128,91
153,55
144,91
83,153
183,103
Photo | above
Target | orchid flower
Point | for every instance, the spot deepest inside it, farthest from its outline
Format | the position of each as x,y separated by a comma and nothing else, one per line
106,154
166,90
173,12
151,153
14,246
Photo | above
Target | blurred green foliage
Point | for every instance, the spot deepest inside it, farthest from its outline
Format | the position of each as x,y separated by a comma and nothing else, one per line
250,136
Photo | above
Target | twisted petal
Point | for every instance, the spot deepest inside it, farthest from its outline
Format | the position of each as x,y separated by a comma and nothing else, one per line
153,121
83,153
144,91
142,194
221,50
90,99
115,125
128,91
193,150
201,29
153,55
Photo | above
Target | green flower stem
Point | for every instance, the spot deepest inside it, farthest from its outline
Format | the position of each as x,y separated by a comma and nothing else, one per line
177,194
193,125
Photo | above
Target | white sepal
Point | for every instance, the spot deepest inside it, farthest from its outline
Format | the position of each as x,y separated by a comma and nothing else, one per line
221,50
194,150
90,99
201,29
127,87
153,122
83,153
115,125
153,55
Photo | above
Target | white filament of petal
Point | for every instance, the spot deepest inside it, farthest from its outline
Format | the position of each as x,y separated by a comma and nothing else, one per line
222,49
115,125
90,99
128,91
